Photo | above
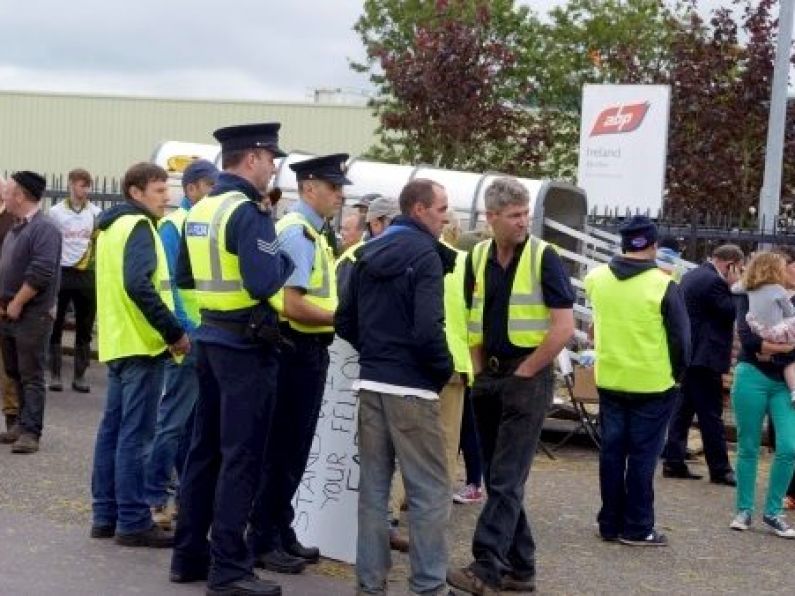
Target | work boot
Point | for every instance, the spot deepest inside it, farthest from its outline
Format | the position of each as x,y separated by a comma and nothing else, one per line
250,584
154,537
55,368
279,561
11,435
11,420
311,554
162,516
82,360
26,443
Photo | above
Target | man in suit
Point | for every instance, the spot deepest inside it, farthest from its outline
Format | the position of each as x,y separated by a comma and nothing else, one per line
707,292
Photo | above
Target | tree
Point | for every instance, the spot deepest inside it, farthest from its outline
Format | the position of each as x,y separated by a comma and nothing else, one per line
452,77
719,110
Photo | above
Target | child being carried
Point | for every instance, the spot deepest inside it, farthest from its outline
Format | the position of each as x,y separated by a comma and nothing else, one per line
771,314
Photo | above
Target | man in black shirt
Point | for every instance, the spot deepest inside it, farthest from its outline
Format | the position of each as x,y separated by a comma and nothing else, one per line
521,317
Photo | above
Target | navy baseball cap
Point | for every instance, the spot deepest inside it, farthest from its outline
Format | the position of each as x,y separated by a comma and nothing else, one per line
250,136
330,168
199,169
638,234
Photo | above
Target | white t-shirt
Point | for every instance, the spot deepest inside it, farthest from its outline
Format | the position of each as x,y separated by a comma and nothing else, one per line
393,389
76,228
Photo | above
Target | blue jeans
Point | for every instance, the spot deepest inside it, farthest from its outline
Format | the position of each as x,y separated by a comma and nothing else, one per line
123,439
179,398
633,432
409,428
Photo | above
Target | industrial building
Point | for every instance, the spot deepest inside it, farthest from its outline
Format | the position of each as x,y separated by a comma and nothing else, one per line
53,133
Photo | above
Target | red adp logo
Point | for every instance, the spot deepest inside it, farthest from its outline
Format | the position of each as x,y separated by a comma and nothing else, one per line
620,119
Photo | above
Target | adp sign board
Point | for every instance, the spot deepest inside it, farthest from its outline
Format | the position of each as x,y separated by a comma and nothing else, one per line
623,142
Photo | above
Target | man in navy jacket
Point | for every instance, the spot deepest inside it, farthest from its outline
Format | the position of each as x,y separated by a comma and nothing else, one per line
707,293
393,314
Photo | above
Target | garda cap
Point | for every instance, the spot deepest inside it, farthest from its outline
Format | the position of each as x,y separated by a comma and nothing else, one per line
330,168
250,136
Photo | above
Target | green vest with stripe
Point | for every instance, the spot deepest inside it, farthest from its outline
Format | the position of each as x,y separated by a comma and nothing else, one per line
528,316
123,330
455,314
177,219
629,335
216,271
322,289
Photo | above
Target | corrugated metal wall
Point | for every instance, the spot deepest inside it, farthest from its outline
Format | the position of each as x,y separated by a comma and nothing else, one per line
53,133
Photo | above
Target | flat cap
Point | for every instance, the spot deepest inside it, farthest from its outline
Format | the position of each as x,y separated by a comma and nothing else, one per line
382,207
31,181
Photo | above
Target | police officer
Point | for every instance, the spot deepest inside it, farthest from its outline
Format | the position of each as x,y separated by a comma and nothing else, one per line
307,305
230,258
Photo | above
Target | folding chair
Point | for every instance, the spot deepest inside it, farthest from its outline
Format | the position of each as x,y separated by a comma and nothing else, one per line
581,389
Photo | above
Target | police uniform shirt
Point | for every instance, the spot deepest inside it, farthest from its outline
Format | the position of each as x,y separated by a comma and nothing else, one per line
301,249
555,286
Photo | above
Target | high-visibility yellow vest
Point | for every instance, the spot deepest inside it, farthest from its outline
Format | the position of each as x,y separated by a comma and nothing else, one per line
216,271
629,335
349,255
528,316
122,328
177,219
455,314
322,290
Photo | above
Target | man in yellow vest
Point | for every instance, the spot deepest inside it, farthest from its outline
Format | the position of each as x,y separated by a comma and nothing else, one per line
231,261
181,385
306,306
137,329
520,318
642,341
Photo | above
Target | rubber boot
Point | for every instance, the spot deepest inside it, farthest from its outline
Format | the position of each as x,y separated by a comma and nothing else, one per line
55,368
82,359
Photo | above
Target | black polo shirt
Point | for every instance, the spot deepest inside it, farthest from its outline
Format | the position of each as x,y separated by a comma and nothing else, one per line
555,286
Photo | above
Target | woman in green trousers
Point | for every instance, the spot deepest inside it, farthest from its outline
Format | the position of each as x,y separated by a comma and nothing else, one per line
759,390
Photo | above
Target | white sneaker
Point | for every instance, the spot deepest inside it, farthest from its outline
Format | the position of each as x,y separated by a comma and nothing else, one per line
742,521
778,525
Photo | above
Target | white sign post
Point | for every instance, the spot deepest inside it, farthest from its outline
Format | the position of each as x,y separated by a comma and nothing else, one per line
327,499
623,146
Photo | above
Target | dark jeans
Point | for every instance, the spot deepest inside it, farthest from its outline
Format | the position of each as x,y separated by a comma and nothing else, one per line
24,344
702,396
176,405
302,381
509,412
237,390
470,445
633,431
124,438
77,288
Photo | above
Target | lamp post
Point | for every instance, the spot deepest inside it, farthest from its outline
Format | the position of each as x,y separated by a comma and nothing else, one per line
770,195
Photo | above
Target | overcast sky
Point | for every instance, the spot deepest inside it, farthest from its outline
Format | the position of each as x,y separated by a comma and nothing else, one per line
246,49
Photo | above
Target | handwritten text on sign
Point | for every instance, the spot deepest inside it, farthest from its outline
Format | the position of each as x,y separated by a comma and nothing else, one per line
326,500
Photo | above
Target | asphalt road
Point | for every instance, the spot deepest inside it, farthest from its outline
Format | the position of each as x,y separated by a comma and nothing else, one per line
45,518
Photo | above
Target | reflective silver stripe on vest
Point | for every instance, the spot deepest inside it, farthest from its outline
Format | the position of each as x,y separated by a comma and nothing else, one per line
528,325
474,327
217,283
165,285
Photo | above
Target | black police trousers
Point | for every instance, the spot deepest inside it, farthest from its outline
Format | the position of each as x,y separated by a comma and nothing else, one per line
237,393
302,381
